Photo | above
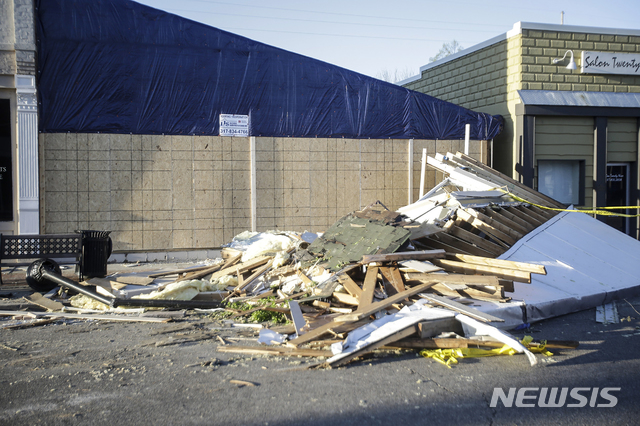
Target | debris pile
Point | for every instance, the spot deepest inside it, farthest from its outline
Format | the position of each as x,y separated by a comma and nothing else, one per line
412,279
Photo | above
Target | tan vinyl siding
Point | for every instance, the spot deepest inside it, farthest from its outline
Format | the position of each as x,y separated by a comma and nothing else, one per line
622,135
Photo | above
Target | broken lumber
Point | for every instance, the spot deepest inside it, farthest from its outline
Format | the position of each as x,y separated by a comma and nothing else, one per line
406,255
498,263
378,306
467,268
274,350
459,307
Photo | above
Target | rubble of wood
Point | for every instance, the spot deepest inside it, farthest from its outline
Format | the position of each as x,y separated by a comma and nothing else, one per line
376,278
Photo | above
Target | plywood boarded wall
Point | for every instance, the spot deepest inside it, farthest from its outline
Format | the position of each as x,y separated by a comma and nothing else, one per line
192,192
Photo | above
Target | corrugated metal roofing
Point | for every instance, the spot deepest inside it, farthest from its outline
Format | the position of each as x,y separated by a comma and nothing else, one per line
580,99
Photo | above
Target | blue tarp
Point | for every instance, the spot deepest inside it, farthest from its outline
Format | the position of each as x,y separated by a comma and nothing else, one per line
116,66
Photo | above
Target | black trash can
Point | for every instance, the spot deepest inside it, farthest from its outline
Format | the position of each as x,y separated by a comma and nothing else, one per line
96,249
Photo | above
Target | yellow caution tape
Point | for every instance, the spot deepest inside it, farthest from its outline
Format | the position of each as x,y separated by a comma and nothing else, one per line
450,356
602,211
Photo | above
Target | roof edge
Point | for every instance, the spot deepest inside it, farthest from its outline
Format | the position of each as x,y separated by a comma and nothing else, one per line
517,29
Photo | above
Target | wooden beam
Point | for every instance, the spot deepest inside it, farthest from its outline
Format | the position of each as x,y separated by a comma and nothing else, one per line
457,244
455,278
274,350
254,276
485,227
506,264
520,212
345,298
517,219
370,281
459,307
350,285
392,274
409,255
488,211
530,212
495,223
465,235
333,326
467,268
378,306
385,341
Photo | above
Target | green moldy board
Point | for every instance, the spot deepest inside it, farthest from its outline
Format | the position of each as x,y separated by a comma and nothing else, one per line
347,240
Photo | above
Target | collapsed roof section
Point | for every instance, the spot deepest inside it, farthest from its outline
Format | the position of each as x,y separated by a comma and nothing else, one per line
116,66
477,211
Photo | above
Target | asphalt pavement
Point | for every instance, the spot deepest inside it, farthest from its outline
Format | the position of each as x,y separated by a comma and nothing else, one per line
75,371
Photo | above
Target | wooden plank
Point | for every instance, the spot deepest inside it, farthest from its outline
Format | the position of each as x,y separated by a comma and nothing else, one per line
470,237
418,266
242,267
506,264
467,268
488,211
457,244
512,217
459,307
453,343
429,242
254,276
134,280
305,279
543,212
520,212
392,274
409,255
378,306
350,285
86,316
274,350
529,211
485,227
345,298
385,341
456,278
333,326
484,294
370,281
48,304
179,271
495,223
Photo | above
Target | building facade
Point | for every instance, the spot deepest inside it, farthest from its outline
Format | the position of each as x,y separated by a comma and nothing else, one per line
571,132
19,191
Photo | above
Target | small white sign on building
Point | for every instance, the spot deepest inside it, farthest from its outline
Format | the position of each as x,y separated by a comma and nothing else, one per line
234,125
610,63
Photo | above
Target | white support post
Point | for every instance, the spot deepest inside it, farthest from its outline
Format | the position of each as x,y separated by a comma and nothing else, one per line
467,133
28,173
254,194
423,171
410,171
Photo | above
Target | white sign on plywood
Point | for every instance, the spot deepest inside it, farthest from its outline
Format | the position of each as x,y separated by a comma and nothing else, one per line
610,63
234,125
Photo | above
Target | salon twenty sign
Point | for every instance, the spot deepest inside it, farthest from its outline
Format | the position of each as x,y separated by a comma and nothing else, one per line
610,63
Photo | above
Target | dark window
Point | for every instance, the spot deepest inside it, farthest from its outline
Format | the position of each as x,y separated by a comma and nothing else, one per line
6,172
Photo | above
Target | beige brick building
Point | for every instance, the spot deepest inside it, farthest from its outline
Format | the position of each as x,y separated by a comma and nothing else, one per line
571,133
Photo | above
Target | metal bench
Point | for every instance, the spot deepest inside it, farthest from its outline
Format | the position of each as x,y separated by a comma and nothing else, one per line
90,260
